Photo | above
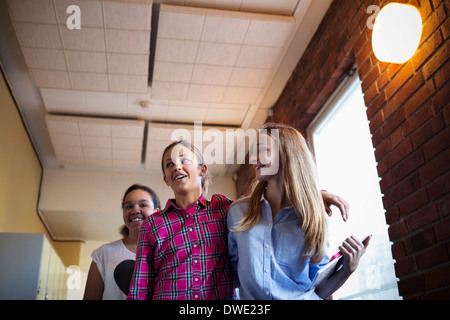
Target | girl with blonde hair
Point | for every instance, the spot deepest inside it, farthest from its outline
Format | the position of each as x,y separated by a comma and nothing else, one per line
278,236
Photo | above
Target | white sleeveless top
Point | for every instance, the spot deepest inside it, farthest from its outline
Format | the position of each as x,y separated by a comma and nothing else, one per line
115,262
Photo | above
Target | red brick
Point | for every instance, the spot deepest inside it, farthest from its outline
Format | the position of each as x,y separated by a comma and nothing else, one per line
438,277
442,229
412,285
382,149
399,79
427,49
409,88
404,266
397,230
432,256
441,100
417,119
400,152
439,142
439,165
420,241
428,130
442,75
422,217
437,60
413,202
419,98
439,186
410,164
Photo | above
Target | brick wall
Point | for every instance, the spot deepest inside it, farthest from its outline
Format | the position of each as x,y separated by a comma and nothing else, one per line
409,114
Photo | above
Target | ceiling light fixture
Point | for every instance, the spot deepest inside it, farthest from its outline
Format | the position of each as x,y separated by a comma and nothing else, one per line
145,104
396,33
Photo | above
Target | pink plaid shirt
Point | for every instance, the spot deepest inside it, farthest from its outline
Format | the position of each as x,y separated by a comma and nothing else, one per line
183,254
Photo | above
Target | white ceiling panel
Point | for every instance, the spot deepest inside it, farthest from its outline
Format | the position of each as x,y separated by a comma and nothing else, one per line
110,30
206,46
95,142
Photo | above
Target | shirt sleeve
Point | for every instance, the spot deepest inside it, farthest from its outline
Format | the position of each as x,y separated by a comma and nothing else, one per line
142,281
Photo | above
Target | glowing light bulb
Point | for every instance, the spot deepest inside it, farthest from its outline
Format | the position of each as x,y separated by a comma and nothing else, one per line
396,33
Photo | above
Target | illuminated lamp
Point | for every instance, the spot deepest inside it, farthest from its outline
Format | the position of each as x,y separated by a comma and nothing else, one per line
396,33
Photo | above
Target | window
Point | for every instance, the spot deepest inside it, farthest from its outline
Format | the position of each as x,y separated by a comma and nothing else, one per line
342,145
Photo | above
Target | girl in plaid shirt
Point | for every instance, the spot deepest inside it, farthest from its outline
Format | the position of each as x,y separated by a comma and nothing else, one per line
182,250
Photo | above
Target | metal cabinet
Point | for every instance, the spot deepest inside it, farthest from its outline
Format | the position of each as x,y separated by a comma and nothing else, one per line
30,268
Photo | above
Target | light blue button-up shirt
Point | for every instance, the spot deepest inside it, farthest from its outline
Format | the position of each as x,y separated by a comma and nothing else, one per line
267,261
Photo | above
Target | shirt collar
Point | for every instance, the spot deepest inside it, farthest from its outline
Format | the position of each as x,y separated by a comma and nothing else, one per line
201,202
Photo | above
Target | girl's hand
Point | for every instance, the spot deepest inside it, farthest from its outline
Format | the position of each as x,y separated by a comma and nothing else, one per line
330,199
352,250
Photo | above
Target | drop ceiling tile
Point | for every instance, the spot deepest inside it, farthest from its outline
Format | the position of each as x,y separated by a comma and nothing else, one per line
86,61
217,54
126,41
95,128
225,30
61,101
186,114
173,72
268,33
106,101
205,93
127,143
134,129
97,153
103,163
132,64
57,125
32,11
215,4
249,77
258,57
66,140
96,142
91,12
68,151
84,39
131,16
176,50
71,161
50,79
174,25
241,95
126,164
127,154
225,116
39,58
164,90
89,81
285,7
38,35
128,83
214,75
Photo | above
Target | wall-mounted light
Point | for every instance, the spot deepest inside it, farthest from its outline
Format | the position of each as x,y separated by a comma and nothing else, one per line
396,33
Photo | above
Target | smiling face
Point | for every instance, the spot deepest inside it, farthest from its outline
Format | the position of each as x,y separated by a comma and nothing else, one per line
182,170
137,206
265,158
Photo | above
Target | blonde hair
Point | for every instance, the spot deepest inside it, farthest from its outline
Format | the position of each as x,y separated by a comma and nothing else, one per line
300,190
198,155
